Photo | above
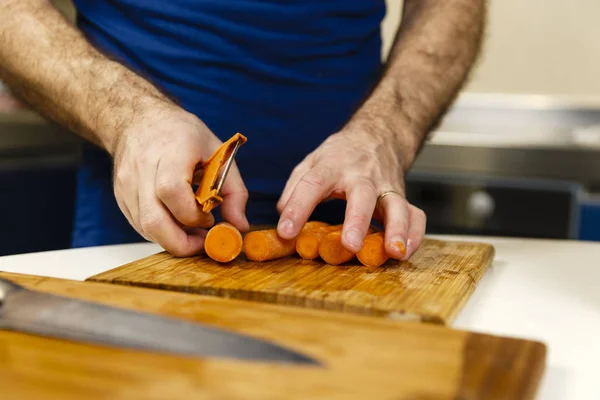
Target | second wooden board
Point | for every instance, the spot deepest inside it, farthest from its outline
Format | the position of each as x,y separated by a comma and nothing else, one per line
361,358
432,286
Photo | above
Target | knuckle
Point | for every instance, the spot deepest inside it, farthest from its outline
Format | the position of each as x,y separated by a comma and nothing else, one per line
144,159
189,220
149,223
317,178
281,204
293,209
167,189
365,158
358,213
366,184
358,217
313,180
121,178
297,170
402,202
398,226
244,194
359,220
423,220
417,213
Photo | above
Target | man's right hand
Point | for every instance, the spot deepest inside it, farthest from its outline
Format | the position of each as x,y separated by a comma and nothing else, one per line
154,163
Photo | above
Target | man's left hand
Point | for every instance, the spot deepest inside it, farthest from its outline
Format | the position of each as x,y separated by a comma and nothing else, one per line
358,166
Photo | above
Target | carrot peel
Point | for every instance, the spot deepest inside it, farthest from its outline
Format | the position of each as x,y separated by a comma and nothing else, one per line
401,248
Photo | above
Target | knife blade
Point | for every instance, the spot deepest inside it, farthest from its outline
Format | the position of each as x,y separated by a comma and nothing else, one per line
32,312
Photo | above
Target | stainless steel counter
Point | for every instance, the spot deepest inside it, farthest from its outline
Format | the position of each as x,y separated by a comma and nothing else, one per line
524,136
562,163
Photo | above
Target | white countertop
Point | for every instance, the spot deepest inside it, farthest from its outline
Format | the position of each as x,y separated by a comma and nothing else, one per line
538,289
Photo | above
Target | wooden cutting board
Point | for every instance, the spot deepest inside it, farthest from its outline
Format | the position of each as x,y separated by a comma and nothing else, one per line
363,358
432,286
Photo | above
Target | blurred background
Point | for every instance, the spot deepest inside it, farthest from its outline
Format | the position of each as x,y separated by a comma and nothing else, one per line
517,155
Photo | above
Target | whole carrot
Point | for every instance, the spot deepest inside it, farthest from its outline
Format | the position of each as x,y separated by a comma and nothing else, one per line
223,242
373,253
307,245
266,244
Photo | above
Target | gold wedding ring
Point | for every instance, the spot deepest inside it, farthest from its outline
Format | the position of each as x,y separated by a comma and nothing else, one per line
382,195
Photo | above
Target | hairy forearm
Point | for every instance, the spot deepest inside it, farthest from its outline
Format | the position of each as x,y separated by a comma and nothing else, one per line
49,64
433,52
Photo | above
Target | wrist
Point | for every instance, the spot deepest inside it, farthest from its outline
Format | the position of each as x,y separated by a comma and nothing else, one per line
385,126
138,118
122,103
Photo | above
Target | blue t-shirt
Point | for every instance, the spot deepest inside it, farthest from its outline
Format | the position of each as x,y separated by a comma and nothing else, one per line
285,73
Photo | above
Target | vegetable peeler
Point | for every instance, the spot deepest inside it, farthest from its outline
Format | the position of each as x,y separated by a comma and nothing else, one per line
216,169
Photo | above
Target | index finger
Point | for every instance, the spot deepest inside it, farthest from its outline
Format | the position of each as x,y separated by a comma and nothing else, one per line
173,186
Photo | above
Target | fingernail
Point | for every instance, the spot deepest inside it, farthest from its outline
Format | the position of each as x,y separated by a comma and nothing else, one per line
286,227
353,237
398,244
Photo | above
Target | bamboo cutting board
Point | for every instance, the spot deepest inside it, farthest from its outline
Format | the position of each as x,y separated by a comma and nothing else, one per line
363,358
432,286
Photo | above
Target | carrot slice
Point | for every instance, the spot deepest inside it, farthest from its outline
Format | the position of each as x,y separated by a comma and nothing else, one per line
311,225
266,244
307,245
373,253
223,242
332,251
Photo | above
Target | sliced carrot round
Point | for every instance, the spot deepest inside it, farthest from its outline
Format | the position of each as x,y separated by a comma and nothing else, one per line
373,252
332,251
307,245
223,243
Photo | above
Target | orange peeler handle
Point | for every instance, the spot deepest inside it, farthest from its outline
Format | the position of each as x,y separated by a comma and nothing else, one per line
208,194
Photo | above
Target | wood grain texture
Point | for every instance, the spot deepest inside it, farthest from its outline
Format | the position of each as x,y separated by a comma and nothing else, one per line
364,358
432,286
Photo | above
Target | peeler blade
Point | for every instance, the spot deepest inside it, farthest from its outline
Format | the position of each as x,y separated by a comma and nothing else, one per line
227,167
216,169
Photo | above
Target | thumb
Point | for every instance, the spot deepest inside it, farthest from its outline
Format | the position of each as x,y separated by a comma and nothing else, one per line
235,197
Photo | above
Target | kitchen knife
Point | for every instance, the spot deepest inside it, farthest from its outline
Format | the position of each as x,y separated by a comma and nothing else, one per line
32,312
